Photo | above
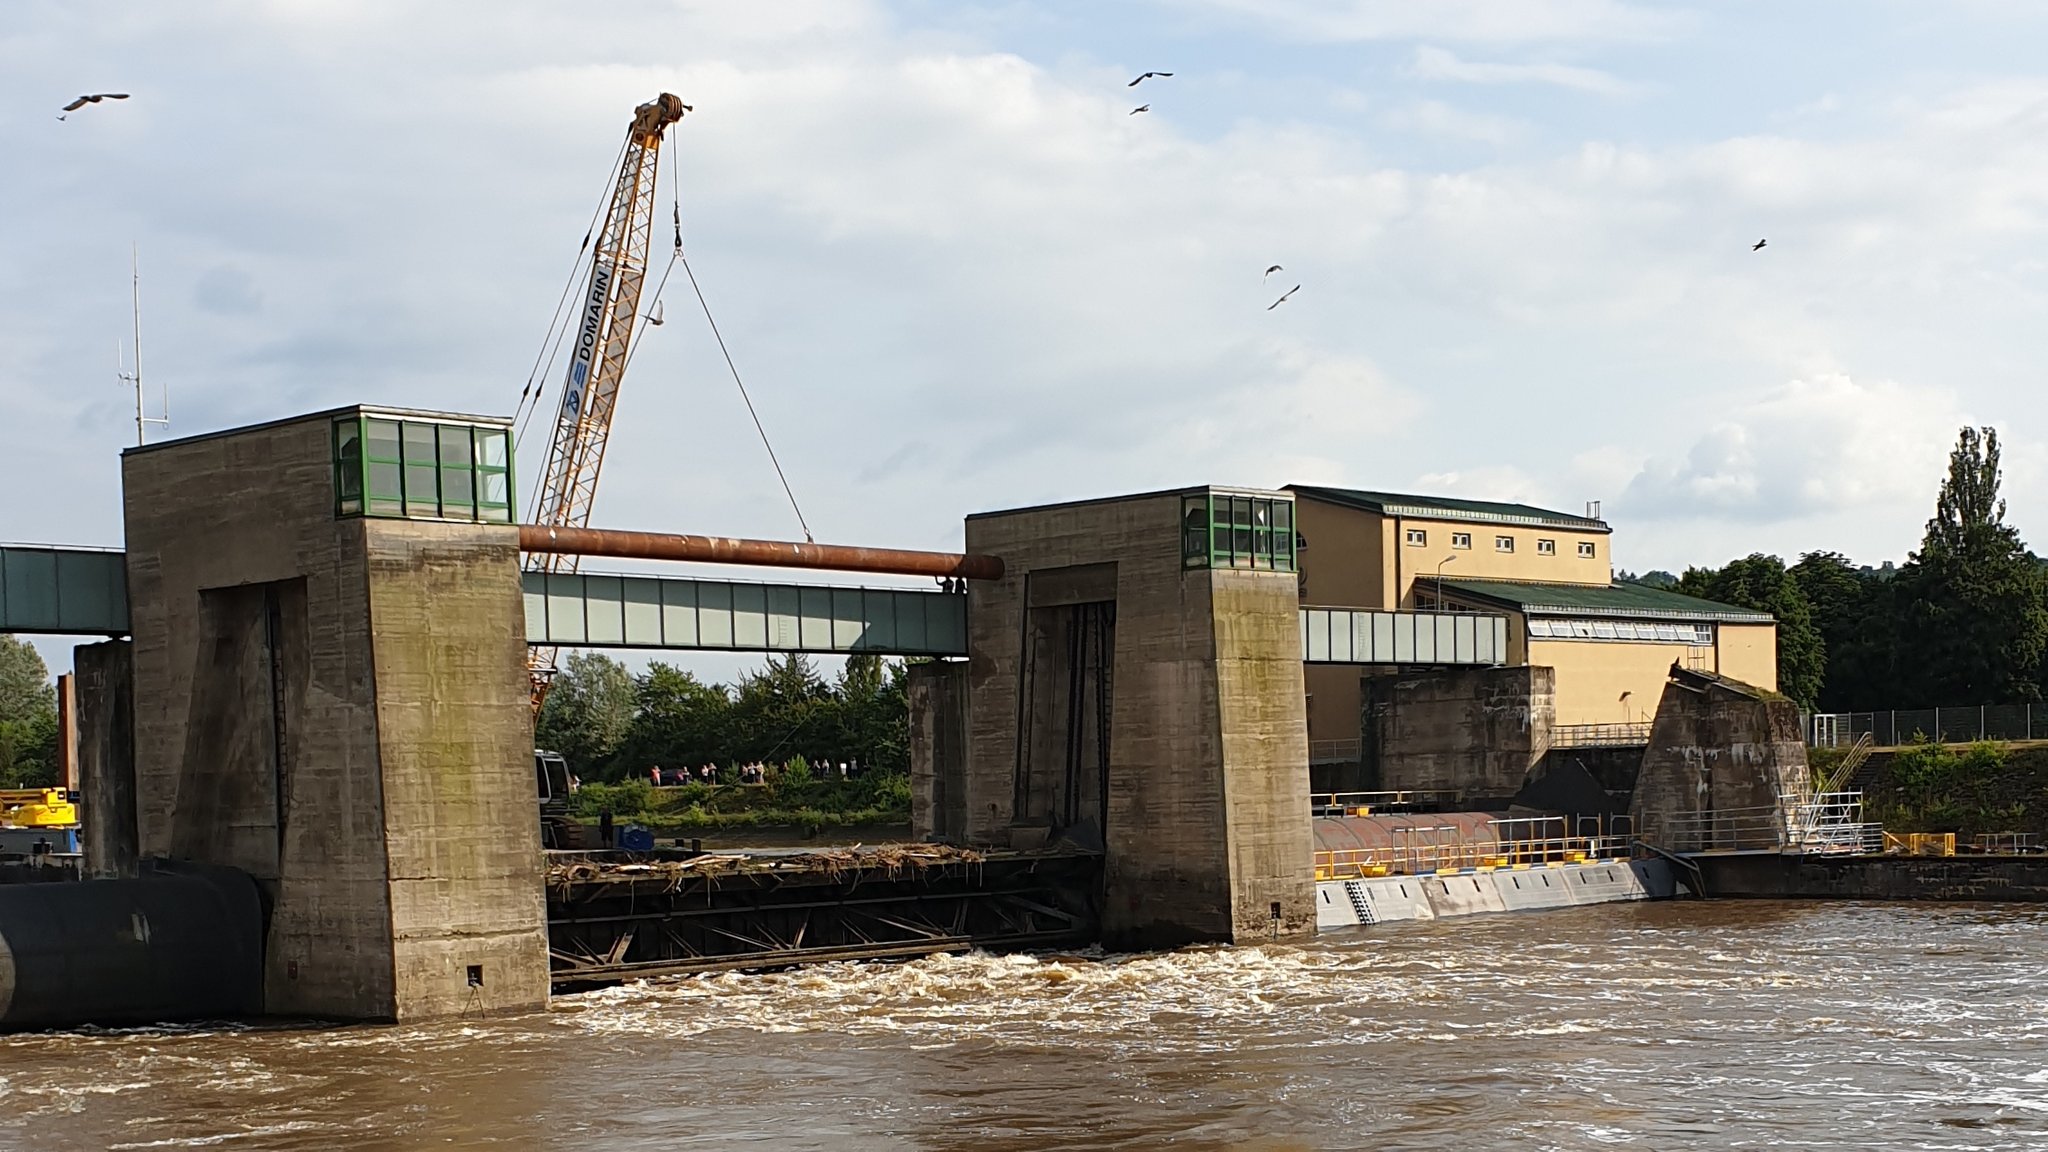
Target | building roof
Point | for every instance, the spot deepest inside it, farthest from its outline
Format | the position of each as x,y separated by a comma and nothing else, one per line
1620,600
1448,508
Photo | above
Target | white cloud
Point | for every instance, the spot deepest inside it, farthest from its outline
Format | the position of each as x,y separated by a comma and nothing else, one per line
1439,64
1490,21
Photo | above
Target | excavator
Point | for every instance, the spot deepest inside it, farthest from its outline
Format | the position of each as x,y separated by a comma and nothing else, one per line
600,338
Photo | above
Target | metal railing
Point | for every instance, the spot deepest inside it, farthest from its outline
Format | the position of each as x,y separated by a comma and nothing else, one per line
1944,725
1830,823
1521,842
2006,844
1368,803
1599,735
1333,751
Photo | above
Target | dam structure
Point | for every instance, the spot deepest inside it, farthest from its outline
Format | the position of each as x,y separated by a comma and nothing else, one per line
309,671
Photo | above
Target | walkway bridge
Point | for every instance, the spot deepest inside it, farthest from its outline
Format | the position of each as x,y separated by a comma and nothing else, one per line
83,592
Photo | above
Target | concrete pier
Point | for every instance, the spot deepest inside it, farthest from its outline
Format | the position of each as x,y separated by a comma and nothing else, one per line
335,704
1123,689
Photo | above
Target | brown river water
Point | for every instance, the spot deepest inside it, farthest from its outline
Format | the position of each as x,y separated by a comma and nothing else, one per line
1658,1026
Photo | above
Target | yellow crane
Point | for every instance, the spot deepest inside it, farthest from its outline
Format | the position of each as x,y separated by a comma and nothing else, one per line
601,336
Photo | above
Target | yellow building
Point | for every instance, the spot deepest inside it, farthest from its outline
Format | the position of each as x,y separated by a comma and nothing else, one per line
1550,573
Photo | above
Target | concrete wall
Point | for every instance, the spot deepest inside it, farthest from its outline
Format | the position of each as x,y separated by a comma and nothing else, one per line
1475,731
1591,675
938,750
103,689
260,711
1207,732
1718,746
1748,652
455,745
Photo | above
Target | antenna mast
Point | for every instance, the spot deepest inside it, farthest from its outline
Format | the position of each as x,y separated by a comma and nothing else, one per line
142,421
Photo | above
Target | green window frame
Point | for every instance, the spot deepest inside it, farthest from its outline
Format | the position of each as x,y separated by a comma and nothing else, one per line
422,469
1227,530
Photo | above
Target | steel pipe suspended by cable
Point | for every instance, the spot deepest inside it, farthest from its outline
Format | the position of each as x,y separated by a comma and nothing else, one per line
757,553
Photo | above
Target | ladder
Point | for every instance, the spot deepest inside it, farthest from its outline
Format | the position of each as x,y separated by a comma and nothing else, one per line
1359,904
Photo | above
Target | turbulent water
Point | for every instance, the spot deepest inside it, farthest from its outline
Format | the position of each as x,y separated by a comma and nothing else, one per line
1661,1026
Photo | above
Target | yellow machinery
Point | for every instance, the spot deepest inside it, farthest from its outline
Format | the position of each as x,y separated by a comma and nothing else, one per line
601,336
38,808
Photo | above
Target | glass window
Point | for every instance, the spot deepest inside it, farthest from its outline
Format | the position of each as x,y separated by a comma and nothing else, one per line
1237,532
348,466
418,468
1546,547
1417,537
382,473
1586,549
1461,539
1503,543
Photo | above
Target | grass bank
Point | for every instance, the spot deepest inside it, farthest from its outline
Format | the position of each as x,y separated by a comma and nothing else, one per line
1966,789
789,800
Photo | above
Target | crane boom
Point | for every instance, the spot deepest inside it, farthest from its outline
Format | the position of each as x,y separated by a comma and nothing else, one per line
602,341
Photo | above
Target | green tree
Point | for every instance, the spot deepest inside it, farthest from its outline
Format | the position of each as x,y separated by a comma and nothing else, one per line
1762,583
1853,610
680,722
587,713
1972,625
28,717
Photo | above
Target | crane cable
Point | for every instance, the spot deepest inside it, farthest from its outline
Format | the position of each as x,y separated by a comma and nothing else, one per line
551,344
677,256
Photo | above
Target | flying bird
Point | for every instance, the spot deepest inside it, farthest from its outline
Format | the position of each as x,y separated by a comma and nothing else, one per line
654,317
95,98
1758,246
1141,108
1283,298
1145,77
1270,271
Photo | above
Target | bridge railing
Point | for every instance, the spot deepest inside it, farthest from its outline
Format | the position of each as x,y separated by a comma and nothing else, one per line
1599,735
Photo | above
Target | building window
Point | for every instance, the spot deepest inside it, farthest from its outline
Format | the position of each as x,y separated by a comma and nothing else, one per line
421,470
1461,539
1585,549
1503,543
1417,538
1546,547
1220,530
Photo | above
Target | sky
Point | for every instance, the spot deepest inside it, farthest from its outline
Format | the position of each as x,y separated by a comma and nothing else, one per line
958,274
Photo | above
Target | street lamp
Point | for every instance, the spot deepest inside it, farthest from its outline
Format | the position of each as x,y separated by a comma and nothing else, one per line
1440,579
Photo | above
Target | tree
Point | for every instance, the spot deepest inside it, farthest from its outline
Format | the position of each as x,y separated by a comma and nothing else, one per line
1762,583
28,717
587,713
1973,626
679,722
1853,612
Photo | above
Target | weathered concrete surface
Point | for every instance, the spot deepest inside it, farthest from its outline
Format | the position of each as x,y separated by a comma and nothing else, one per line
1775,876
1473,731
1719,746
1206,734
264,683
103,686
937,695
455,745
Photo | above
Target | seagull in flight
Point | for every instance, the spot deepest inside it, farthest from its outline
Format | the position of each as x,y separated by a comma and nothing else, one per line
1758,246
1270,271
94,98
1145,77
1141,108
1283,298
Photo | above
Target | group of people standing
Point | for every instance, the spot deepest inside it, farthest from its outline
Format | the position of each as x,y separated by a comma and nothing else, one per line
751,773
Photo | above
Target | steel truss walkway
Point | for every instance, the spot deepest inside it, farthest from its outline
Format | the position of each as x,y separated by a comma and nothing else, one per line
84,592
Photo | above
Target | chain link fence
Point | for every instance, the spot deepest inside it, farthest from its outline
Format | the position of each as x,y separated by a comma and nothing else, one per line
1943,725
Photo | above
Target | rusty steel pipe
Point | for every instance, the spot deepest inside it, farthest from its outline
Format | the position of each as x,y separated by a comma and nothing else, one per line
759,553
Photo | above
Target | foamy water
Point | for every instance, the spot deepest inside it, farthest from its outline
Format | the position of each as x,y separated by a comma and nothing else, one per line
1656,1026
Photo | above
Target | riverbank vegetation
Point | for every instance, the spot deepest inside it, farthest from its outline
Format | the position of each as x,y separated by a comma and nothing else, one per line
1966,789
794,796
